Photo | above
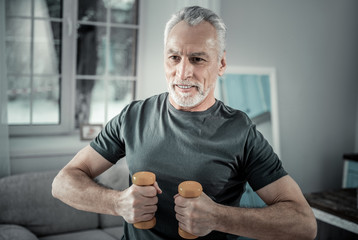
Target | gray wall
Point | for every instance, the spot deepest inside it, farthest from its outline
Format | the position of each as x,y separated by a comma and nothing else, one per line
313,46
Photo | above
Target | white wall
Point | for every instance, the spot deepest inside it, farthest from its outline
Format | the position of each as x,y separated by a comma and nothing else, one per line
313,46
150,70
4,131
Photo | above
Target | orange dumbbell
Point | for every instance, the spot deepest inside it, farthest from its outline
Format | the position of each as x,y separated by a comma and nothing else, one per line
189,189
144,179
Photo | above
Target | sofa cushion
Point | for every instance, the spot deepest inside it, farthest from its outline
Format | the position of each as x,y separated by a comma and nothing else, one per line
26,200
82,235
11,232
106,221
116,232
116,177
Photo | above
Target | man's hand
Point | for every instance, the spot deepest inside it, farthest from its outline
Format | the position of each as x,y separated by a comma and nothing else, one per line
138,203
195,215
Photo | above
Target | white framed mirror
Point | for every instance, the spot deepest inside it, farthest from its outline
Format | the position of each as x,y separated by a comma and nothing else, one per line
253,90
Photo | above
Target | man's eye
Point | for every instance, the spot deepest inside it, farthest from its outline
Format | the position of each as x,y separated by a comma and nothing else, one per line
174,58
197,60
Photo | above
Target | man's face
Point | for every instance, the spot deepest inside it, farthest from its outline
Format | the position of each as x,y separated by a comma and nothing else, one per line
191,66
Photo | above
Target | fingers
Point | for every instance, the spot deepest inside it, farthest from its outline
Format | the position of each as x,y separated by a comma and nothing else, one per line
144,196
140,203
144,214
186,219
148,191
145,217
194,215
183,208
182,202
159,191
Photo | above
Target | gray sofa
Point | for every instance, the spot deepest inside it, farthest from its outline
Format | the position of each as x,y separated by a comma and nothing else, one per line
28,211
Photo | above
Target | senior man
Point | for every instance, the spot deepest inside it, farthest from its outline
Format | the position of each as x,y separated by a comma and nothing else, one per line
187,134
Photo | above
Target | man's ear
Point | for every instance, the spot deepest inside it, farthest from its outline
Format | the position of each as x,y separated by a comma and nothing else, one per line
222,64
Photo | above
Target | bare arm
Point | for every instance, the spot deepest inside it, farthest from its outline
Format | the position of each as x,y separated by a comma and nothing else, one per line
74,186
287,216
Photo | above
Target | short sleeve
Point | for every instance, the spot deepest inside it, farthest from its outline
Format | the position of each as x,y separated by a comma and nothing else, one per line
262,165
109,142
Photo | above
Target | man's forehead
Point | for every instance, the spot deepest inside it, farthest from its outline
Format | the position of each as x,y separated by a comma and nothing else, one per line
199,36
177,46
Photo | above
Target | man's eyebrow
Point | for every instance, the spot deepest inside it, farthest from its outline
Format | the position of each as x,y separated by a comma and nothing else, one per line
198,54
194,54
172,51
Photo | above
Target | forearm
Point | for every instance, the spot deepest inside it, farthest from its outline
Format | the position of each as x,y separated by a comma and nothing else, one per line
76,189
283,220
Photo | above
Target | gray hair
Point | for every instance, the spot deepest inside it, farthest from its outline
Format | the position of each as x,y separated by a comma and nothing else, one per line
195,15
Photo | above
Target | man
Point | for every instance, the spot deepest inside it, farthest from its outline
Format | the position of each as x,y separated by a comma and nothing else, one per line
189,135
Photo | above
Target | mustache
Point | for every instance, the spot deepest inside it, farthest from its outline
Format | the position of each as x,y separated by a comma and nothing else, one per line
199,86
186,82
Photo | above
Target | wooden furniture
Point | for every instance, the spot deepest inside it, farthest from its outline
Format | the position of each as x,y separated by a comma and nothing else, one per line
336,207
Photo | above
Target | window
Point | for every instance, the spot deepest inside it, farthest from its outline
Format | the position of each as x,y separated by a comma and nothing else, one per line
106,49
69,62
33,57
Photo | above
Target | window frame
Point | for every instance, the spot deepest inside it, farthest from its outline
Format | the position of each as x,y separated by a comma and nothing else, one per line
64,125
69,77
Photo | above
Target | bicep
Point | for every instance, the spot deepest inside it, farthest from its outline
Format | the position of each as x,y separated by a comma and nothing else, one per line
284,189
89,161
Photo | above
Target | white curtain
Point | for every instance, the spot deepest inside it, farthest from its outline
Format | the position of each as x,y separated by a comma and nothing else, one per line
4,130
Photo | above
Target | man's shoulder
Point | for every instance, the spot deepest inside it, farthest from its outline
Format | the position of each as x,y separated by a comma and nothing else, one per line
148,106
233,114
155,99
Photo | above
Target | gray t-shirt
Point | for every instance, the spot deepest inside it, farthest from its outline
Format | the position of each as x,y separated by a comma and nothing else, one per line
219,147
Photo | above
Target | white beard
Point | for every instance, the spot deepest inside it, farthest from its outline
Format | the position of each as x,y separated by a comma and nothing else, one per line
186,100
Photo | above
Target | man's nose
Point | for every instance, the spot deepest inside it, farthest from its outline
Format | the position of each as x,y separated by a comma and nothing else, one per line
184,69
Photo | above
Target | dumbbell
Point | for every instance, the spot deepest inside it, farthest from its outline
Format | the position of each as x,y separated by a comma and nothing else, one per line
189,189
144,179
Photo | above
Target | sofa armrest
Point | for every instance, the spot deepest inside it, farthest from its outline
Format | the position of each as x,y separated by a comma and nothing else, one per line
10,232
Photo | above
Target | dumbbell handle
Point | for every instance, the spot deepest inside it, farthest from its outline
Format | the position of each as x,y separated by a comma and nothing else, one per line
144,179
189,189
